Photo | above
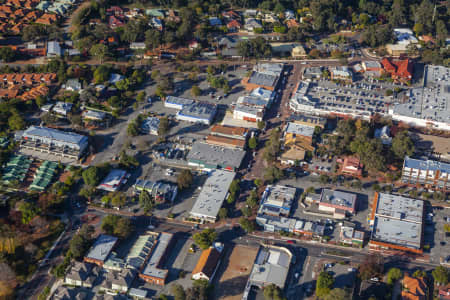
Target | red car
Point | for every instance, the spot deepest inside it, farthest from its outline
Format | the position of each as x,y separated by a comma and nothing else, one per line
290,242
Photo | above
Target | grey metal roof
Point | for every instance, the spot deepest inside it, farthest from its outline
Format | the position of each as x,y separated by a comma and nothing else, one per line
213,194
178,100
199,110
254,110
398,220
215,155
271,266
102,247
54,134
300,129
153,267
431,165
263,79
338,198
139,293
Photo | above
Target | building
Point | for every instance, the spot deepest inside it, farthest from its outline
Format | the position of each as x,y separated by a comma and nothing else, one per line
271,267
161,191
248,113
52,141
428,173
428,105
297,130
312,121
140,251
342,73
198,112
177,102
117,281
444,292
207,264
213,194
333,201
53,49
211,157
405,36
373,68
80,274
414,288
265,76
232,132
73,85
351,165
62,108
396,50
113,180
153,271
94,115
150,125
252,24
309,228
225,142
313,72
277,200
272,223
266,95
101,249
297,141
400,70
396,223
350,236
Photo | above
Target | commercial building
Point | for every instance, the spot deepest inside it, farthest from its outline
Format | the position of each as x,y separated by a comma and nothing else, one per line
228,136
211,157
396,223
248,113
113,180
266,95
177,102
350,236
225,142
55,142
297,141
334,201
272,223
308,120
213,194
428,105
297,130
161,191
201,112
207,264
342,73
140,251
264,76
429,173
277,200
154,271
101,249
372,67
400,70
313,72
271,267
351,165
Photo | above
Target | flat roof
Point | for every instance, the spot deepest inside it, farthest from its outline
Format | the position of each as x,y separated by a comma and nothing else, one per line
398,220
430,101
54,134
254,110
252,101
216,155
431,165
153,265
300,129
178,100
102,247
338,198
213,194
199,110
277,199
271,266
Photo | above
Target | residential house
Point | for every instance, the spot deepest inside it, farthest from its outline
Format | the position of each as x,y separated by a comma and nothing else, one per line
289,14
234,25
231,15
251,24
298,52
414,288
73,85
214,21
193,44
118,281
444,292
156,23
292,23
115,11
207,264
62,108
53,49
115,22
137,46
351,165
80,274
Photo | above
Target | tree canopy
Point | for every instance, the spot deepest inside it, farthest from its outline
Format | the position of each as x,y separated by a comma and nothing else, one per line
205,238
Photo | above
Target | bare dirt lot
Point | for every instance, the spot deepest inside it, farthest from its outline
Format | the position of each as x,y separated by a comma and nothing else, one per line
234,272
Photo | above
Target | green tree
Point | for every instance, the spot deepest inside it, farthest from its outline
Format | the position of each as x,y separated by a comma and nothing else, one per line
29,211
248,225
223,213
441,275
261,125
205,238
99,51
196,91
178,292
184,179
91,176
419,274
252,199
163,127
7,54
101,74
324,284
338,294
140,97
146,202
372,267
273,292
393,275
118,226
272,174
402,145
246,211
16,122
118,199
252,143
234,187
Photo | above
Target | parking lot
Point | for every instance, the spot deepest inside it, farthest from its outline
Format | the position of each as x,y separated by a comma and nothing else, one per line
435,235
